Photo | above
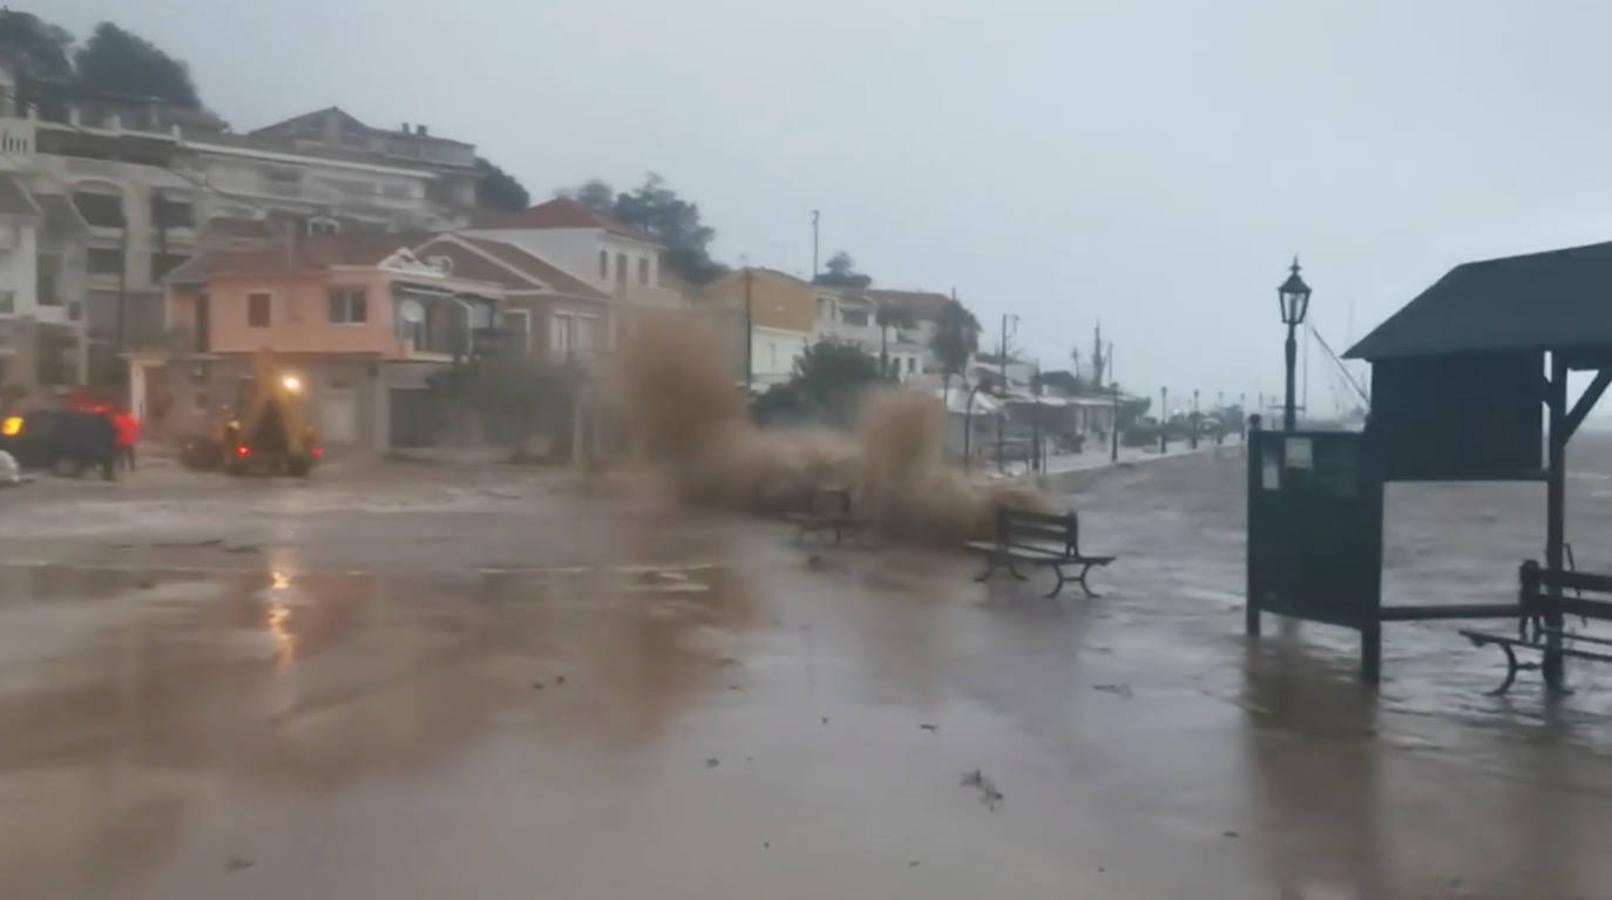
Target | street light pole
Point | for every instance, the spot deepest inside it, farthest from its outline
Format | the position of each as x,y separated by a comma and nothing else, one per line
749,336
1192,420
1289,414
1294,297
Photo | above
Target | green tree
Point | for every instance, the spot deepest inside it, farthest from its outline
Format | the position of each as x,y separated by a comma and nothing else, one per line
956,338
121,62
498,189
840,271
657,210
37,48
830,376
596,195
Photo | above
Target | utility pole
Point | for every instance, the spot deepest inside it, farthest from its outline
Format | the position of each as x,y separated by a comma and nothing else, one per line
1035,422
815,216
1001,392
1113,426
749,335
1192,420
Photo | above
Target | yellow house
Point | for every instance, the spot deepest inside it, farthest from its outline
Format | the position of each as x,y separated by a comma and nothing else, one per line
782,314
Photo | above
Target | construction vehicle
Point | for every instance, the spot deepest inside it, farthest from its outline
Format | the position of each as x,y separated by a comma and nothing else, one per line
270,430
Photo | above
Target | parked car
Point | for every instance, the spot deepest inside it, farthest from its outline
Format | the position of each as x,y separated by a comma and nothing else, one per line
61,441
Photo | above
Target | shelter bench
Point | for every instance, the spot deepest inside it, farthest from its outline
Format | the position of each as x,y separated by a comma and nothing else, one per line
1038,539
1543,602
829,509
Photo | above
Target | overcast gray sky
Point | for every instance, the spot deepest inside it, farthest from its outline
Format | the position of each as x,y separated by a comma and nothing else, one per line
1151,164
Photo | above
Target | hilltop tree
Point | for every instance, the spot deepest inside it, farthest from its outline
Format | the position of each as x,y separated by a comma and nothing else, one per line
498,189
840,271
121,62
660,212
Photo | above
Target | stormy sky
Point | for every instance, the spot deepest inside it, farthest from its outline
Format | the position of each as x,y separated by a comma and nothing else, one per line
1151,164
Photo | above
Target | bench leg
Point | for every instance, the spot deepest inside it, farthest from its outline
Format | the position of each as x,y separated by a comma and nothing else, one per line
1511,671
990,567
1086,570
1061,579
1013,569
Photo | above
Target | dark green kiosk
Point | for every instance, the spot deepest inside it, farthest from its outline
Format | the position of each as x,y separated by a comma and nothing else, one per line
1469,384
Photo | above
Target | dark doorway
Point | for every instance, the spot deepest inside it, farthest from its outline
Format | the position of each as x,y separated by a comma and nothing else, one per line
204,324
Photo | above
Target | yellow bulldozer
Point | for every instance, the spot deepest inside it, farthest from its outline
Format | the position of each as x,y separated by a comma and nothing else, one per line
268,430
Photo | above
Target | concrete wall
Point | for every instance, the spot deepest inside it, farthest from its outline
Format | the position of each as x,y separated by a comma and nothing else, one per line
774,352
776,300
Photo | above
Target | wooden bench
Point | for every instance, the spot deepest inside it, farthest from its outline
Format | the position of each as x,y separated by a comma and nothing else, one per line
1038,539
1543,600
828,509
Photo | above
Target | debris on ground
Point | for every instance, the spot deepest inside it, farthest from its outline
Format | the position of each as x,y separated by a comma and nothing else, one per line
989,795
1120,689
237,863
244,548
537,685
712,762
559,679
932,729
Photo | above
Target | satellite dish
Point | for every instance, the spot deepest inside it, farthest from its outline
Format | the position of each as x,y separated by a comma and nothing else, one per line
411,311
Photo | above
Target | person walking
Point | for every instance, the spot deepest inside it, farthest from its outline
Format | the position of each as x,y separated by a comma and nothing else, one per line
127,429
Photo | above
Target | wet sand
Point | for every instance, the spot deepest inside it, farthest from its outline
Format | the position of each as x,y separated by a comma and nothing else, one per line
425,684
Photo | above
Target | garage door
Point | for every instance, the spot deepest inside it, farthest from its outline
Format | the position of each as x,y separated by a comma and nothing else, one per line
338,416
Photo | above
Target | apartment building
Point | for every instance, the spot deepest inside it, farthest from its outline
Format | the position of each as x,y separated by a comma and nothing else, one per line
143,178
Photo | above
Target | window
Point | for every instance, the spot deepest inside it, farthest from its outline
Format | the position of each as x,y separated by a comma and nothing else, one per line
99,210
105,261
604,265
518,323
560,334
163,263
171,213
643,270
856,317
323,225
45,283
582,340
8,303
348,306
257,310
621,268
912,365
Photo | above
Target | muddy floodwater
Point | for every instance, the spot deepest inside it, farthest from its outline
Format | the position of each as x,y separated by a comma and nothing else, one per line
421,682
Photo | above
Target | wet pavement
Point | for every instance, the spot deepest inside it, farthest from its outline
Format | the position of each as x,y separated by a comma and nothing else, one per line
423,682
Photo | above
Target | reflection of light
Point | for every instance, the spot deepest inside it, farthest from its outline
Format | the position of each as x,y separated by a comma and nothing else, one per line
285,642
279,579
12,426
291,383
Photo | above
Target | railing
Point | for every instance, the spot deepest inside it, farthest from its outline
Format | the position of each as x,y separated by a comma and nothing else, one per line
17,137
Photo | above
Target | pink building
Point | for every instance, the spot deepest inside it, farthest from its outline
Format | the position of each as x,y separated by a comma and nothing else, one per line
360,316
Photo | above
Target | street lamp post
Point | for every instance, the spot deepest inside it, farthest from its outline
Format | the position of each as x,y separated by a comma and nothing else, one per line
1194,419
1294,297
1164,419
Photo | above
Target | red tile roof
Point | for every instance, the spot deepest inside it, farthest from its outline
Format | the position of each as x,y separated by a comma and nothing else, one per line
292,257
514,267
561,212
529,271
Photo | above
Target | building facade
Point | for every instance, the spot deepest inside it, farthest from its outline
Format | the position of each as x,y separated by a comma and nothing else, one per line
362,318
143,179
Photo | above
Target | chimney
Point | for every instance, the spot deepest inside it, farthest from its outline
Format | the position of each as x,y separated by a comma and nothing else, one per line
422,132
405,128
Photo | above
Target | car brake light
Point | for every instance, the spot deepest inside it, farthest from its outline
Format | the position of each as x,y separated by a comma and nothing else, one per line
318,452
243,451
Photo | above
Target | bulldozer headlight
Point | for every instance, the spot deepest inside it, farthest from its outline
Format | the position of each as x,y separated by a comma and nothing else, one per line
291,383
11,426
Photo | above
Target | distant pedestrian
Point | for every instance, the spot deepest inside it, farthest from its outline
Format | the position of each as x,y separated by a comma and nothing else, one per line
127,429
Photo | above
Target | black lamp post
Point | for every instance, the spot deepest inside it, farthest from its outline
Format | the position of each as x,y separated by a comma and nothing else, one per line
1294,296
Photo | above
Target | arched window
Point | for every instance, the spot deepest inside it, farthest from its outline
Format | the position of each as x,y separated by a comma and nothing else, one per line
621,268
604,265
